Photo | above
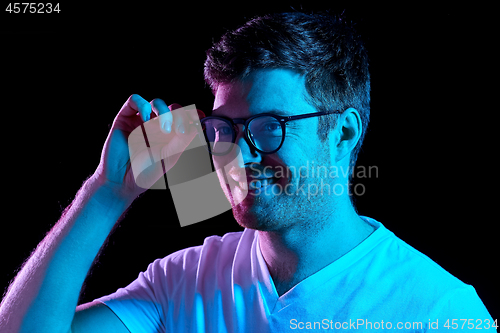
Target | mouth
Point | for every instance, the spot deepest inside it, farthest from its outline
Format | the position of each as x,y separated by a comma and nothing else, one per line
251,182
257,184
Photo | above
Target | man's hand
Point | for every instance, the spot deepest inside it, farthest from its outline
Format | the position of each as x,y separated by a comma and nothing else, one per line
44,294
174,132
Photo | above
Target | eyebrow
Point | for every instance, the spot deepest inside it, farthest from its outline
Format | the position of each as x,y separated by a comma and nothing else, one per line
277,112
280,113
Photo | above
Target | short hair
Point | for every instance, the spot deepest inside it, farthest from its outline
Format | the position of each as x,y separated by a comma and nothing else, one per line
324,48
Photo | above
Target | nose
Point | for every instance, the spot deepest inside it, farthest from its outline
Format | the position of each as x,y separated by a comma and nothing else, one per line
248,151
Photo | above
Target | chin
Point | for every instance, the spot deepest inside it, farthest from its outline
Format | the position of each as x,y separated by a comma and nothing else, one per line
251,217
244,213
253,212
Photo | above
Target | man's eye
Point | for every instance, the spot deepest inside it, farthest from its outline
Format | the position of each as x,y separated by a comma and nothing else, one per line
272,127
226,130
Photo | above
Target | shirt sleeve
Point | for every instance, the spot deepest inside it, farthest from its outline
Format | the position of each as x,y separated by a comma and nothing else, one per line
140,305
463,311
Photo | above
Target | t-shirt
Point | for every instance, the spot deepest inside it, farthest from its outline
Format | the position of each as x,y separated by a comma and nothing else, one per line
224,286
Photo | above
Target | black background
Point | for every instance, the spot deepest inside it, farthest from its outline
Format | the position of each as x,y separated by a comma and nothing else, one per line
65,76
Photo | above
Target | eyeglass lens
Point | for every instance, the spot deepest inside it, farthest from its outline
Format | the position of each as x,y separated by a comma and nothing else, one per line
265,133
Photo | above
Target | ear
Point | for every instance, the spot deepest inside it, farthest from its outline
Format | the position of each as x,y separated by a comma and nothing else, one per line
347,132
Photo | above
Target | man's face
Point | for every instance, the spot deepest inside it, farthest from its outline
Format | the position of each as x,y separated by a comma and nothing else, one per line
293,194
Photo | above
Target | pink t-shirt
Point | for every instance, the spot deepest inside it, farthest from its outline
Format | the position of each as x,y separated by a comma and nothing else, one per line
225,286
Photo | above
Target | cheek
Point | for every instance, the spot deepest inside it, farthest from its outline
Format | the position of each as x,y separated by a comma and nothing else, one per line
225,186
303,162
222,167
297,152
219,162
301,142
231,159
227,167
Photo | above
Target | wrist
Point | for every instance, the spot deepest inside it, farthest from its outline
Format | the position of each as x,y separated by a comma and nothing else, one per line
108,194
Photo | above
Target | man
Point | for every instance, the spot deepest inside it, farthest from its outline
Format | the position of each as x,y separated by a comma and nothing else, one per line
289,89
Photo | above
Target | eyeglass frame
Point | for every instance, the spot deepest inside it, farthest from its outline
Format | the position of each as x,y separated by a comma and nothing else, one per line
246,133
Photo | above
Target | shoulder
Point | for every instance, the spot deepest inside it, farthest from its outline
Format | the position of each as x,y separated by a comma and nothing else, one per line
215,251
400,262
212,246
420,280
394,259
419,269
417,282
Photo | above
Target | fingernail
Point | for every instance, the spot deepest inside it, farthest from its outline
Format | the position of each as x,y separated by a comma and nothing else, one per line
181,129
167,126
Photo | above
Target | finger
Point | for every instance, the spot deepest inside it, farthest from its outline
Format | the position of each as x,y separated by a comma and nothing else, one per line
163,112
195,115
187,119
136,104
180,119
200,115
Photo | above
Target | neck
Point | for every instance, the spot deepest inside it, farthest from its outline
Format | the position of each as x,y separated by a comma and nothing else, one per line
302,250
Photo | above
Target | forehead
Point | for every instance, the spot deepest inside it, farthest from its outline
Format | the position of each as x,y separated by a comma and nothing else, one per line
263,91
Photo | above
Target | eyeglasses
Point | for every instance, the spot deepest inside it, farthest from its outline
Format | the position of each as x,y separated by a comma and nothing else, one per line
265,131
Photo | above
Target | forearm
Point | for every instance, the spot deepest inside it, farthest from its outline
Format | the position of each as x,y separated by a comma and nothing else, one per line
44,295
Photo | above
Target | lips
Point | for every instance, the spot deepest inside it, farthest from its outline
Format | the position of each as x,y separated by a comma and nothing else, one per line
256,184
251,181
237,174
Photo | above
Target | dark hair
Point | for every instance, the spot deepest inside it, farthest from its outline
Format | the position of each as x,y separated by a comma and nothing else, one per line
324,48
